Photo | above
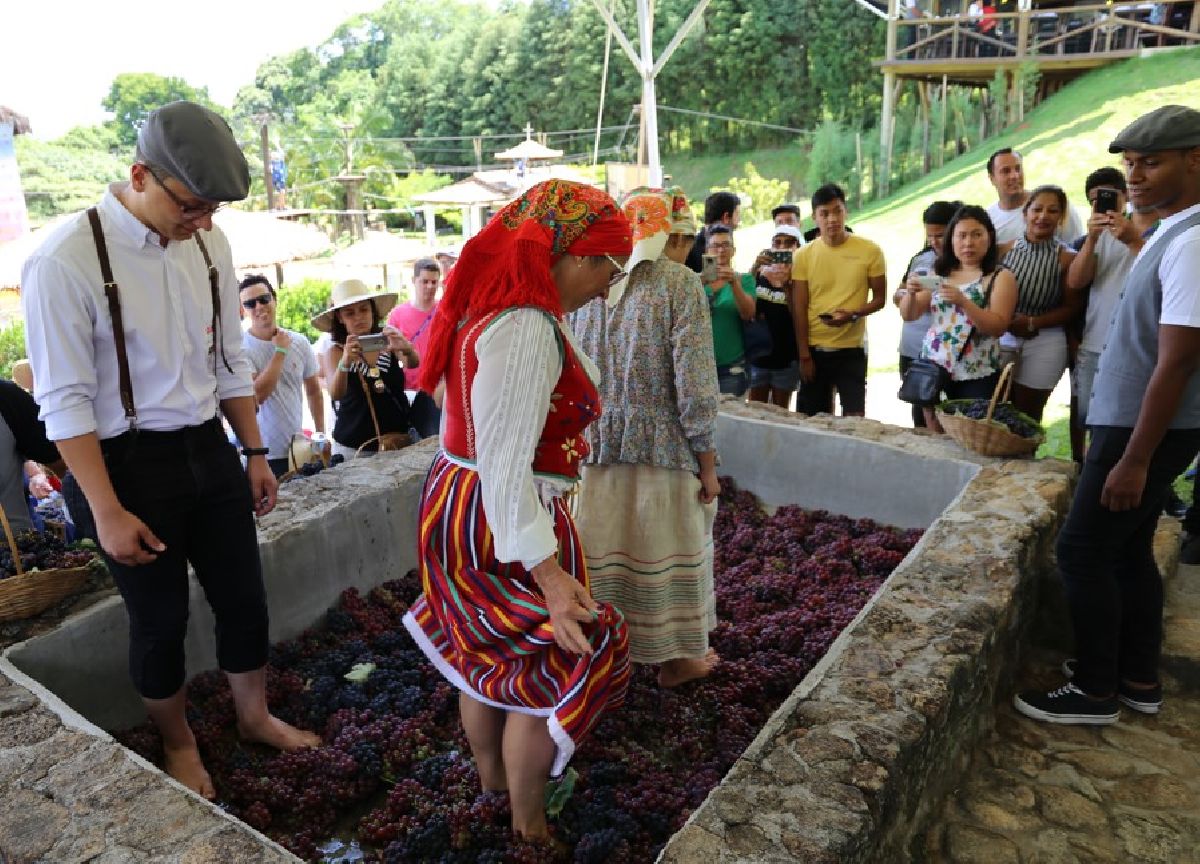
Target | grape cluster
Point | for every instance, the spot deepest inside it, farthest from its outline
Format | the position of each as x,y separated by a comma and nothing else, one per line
396,767
41,551
1015,421
311,469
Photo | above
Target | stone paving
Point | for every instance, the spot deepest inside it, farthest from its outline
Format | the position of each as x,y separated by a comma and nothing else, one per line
1061,794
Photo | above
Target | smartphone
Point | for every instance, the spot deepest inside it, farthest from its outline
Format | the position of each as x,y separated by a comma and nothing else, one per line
709,272
779,256
373,342
1106,201
930,282
825,316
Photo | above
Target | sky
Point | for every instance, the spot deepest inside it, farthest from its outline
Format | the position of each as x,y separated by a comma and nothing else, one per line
59,57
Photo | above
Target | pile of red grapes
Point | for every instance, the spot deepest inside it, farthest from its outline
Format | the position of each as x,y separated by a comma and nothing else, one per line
41,551
976,409
396,774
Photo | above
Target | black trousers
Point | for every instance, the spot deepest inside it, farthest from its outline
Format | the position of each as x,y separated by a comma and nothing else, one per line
1107,563
843,370
190,489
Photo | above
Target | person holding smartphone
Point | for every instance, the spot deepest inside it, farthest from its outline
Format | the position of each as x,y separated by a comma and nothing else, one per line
368,361
774,376
730,302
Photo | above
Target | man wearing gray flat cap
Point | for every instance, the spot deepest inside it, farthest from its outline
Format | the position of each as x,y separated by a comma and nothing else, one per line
1144,419
131,315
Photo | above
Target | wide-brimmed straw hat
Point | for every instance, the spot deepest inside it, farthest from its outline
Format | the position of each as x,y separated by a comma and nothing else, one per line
348,293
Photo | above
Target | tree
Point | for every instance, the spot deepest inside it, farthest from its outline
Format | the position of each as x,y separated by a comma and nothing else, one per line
133,95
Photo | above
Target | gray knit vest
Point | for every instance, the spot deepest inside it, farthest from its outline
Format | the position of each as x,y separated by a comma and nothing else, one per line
1131,350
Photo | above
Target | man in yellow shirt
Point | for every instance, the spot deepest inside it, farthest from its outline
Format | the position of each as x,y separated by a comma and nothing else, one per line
831,279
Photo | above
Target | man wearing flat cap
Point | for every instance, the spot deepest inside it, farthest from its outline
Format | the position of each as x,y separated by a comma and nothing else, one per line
1144,419
131,314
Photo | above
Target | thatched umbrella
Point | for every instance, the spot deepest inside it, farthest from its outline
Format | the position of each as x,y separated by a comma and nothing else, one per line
255,239
379,249
20,121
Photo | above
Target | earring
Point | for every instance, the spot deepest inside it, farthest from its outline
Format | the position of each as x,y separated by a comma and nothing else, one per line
578,260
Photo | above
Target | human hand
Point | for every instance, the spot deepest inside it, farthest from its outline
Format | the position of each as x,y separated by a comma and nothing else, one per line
1124,486
1125,231
725,273
263,486
951,294
127,539
1098,223
396,341
840,317
710,486
763,259
281,339
569,605
353,350
808,369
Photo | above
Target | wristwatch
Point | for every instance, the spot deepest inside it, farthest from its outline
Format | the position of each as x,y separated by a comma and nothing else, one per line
255,451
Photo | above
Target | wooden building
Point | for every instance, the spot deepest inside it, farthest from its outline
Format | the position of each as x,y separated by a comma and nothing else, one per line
965,43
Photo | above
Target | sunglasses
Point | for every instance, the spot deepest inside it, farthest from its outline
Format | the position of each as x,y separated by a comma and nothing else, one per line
619,275
264,299
189,212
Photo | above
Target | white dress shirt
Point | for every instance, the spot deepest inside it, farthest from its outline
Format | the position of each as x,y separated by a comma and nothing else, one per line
520,361
166,302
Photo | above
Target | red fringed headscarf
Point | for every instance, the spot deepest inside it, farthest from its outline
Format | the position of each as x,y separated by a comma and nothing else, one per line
508,263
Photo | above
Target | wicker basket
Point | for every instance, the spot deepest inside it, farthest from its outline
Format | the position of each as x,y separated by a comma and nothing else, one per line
27,594
990,437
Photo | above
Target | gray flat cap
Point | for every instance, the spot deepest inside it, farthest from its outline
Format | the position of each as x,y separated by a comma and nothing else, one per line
1171,127
196,146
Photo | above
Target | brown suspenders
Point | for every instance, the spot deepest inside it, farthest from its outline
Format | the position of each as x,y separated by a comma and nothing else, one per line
114,310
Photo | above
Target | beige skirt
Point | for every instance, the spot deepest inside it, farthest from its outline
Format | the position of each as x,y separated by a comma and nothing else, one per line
649,549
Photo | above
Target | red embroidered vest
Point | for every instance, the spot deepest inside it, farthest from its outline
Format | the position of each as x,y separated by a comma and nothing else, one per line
574,405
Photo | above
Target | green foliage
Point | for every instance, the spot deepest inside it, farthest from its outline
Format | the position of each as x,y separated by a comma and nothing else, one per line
831,159
133,95
759,194
57,178
299,301
12,347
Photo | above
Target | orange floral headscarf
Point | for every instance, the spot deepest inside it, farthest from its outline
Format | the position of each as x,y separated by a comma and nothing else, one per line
508,263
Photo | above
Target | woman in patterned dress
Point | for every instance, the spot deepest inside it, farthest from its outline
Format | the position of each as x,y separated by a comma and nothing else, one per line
973,306
648,496
505,613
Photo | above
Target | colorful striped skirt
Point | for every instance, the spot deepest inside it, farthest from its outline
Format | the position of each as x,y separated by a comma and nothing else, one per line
649,547
485,626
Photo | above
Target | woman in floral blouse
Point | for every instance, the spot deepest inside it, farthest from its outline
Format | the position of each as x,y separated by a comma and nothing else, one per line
971,307
649,488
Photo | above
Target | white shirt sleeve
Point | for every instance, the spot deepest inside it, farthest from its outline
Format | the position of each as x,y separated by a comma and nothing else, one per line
1177,270
59,311
519,363
240,382
308,359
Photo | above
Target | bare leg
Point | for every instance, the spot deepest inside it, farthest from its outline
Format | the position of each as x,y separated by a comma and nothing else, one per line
484,726
1030,401
181,758
782,398
684,669
528,755
255,722
931,422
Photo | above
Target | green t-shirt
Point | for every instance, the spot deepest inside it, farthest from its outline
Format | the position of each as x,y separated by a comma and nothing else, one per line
727,322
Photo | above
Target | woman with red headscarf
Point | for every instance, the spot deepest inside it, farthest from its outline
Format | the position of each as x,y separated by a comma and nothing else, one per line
505,612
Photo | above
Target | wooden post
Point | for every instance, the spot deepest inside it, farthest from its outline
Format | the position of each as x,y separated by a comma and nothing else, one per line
887,123
264,140
1022,31
858,167
923,91
945,114
278,275
891,30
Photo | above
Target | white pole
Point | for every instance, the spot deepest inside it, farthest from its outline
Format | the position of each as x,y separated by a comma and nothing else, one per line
603,88
430,226
645,9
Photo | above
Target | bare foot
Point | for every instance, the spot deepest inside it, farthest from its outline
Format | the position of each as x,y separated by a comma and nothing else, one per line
275,733
185,766
676,672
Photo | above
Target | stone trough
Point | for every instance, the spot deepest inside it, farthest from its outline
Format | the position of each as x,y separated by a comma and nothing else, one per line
849,768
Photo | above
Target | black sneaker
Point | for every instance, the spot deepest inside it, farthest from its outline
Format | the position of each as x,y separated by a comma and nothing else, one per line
1146,701
1174,505
1067,704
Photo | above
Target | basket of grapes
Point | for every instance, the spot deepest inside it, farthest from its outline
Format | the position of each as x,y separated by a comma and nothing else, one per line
37,571
991,427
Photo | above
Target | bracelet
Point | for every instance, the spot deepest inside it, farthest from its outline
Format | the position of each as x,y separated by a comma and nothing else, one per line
255,451
283,351
342,367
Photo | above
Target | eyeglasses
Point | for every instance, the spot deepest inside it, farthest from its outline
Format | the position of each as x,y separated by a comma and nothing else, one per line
619,275
189,212
264,299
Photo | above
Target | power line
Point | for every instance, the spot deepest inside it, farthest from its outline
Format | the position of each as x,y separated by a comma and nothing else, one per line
712,116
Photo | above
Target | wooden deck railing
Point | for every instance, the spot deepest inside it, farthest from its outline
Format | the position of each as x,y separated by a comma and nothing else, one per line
1043,33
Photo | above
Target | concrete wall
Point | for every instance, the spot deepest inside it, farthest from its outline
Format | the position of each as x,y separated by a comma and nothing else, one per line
352,526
